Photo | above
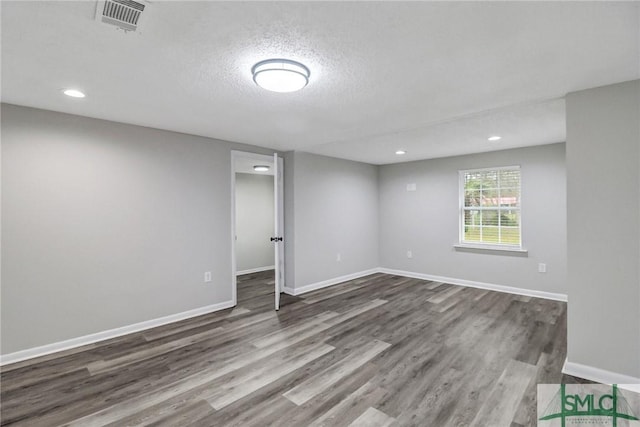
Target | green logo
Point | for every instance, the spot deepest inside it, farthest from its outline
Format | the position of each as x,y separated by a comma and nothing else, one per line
588,407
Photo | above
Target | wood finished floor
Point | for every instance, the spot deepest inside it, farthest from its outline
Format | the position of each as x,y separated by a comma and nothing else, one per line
377,351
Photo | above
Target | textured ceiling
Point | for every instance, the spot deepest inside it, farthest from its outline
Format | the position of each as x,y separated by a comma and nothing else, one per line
434,78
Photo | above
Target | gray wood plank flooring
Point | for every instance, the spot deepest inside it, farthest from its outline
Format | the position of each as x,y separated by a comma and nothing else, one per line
381,350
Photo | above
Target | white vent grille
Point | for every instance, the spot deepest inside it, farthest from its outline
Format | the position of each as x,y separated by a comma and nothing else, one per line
125,14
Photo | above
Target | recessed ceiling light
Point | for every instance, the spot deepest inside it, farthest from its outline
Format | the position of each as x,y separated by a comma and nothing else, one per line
401,152
494,138
74,93
280,75
261,168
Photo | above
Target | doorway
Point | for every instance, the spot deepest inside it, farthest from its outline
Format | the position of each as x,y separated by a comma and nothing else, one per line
257,220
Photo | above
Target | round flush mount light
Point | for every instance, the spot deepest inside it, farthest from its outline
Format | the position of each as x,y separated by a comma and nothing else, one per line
494,138
74,93
261,168
280,75
401,152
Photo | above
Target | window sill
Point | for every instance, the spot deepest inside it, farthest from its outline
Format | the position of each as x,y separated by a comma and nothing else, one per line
464,247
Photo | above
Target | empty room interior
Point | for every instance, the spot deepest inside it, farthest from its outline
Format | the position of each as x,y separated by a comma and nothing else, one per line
320,213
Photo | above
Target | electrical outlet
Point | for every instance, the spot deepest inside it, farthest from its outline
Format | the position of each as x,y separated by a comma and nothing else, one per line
338,257
542,268
411,187
207,276
409,254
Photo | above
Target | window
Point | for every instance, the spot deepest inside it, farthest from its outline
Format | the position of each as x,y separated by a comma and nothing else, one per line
490,207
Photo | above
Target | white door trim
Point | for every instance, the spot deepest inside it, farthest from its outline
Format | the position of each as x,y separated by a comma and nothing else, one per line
278,226
235,154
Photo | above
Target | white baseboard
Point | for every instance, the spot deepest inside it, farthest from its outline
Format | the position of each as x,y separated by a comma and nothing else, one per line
255,270
112,333
451,280
329,282
43,350
479,285
601,376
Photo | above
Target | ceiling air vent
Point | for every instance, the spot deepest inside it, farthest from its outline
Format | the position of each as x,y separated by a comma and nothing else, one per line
124,14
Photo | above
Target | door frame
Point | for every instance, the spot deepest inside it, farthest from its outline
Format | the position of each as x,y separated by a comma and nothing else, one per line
235,154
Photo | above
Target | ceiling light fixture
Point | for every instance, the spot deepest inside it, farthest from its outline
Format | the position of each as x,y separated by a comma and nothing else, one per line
401,152
494,138
261,168
74,93
280,75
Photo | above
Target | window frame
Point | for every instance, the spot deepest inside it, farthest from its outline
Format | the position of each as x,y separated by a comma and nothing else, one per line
461,211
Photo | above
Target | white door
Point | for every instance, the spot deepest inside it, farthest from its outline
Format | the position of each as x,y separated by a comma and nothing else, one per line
278,240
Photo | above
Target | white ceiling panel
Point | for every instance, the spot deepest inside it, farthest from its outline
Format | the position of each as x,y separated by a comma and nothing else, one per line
431,77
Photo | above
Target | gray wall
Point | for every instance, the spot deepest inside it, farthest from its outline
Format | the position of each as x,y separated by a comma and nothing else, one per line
335,210
106,224
254,221
603,163
425,221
